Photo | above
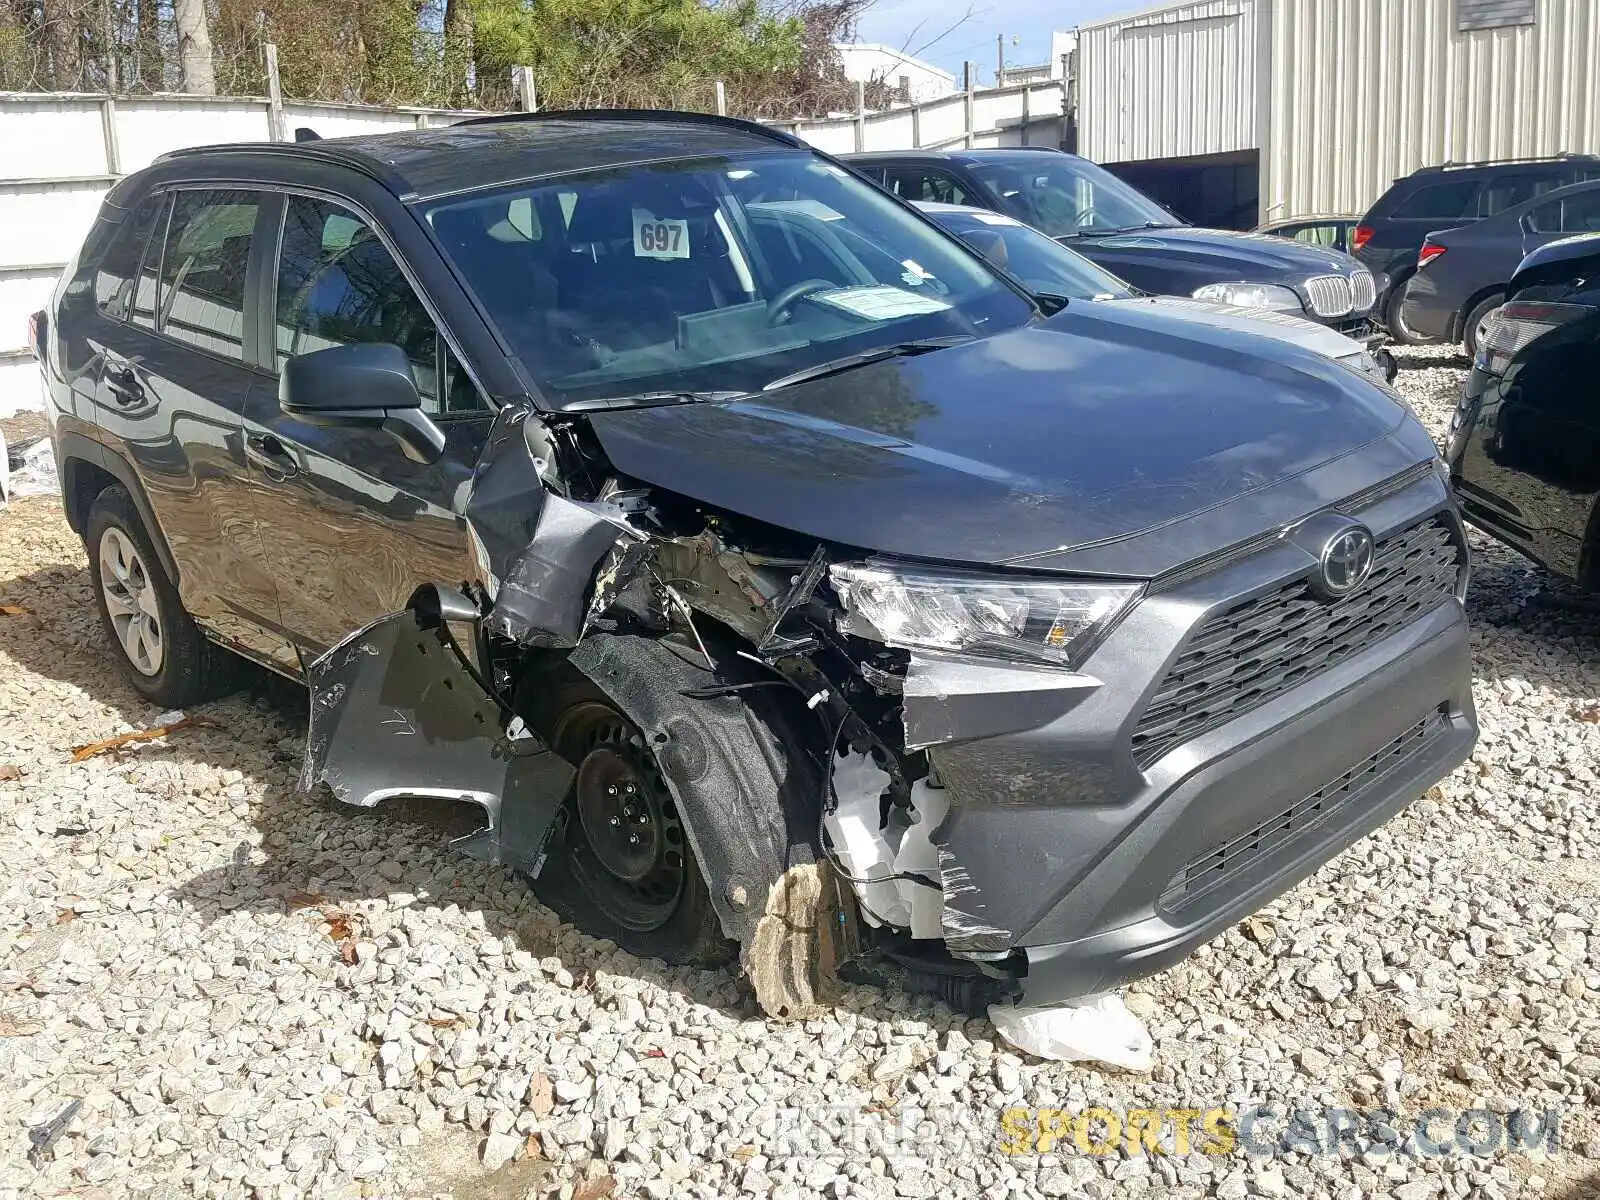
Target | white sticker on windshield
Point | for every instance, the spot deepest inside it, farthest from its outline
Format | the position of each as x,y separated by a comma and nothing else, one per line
656,237
993,218
879,302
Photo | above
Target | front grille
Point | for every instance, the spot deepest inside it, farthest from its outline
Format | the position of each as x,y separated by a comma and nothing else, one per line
1330,295
1276,834
1363,291
1243,657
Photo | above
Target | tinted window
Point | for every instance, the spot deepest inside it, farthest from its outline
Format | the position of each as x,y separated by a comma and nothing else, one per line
200,298
1318,235
338,284
113,281
1581,213
1041,262
1064,195
1505,191
1450,201
921,183
1545,218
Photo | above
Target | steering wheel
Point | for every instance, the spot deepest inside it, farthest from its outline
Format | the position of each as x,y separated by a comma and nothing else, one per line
785,300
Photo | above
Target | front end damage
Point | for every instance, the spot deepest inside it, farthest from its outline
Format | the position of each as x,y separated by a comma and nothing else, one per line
863,805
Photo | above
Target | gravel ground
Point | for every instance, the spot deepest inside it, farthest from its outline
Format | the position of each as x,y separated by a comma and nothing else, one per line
257,994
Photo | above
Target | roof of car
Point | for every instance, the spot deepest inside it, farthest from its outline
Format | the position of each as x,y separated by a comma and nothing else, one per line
425,163
998,153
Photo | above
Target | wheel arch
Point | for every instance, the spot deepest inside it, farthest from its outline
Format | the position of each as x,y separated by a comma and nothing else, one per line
87,469
1459,329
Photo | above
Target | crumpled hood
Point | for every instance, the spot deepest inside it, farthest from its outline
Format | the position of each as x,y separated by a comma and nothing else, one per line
1178,260
1053,442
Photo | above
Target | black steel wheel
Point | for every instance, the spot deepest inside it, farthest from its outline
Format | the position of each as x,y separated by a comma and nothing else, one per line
619,863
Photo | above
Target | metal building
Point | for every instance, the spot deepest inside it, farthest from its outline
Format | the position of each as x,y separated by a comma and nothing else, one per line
1248,110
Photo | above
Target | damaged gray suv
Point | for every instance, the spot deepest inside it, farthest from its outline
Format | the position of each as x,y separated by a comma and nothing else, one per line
777,576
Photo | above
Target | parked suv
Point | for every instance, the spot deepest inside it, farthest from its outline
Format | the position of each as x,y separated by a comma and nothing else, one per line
1444,197
1113,224
1462,273
769,568
1525,439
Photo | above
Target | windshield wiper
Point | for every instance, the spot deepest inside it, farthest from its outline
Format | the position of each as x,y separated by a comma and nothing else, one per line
878,354
1120,229
650,400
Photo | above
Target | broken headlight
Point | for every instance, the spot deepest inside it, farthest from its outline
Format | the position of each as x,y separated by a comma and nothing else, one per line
1031,620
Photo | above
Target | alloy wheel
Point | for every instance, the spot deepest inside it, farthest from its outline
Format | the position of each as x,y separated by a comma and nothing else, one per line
131,602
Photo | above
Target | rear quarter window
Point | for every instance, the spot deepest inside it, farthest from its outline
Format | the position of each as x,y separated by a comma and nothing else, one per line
116,269
1450,200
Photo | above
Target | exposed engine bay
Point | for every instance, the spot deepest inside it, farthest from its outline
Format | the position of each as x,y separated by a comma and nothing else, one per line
814,816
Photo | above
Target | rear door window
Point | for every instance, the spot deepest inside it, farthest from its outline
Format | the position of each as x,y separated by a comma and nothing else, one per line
1506,191
119,266
1580,213
1452,200
926,183
200,296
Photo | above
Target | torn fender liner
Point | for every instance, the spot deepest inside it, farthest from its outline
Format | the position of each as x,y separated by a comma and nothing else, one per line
747,790
396,712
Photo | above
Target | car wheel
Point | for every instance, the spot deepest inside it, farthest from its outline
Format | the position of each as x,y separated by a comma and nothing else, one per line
618,863
1394,320
1476,326
161,652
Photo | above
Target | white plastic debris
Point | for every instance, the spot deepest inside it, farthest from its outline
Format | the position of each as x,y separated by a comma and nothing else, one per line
1097,1028
36,475
862,849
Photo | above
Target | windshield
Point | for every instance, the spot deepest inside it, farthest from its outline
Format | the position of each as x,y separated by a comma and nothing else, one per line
1063,195
710,276
1043,265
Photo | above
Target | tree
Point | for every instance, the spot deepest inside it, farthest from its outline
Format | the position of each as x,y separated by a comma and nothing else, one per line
194,48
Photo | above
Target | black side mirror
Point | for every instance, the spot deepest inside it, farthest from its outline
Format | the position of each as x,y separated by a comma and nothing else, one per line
362,384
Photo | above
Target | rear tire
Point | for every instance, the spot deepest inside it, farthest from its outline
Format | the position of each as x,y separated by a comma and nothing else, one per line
618,864
1394,321
1477,323
160,650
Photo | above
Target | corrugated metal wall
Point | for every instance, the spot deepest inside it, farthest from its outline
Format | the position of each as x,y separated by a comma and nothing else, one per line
1364,91
1178,82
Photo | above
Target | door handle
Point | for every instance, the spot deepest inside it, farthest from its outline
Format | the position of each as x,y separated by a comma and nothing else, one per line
271,455
125,387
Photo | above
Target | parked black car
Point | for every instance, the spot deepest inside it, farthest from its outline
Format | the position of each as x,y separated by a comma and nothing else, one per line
1320,229
1111,223
1525,440
1444,197
1462,273
706,515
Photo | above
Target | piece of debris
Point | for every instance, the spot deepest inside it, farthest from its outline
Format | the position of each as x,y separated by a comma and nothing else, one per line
70,830
1588,713
79,753
595,1189
10,771
1261,930
1096,1029
13,610
42,1138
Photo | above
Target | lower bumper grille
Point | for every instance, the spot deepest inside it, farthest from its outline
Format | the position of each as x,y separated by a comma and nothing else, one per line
1245,656
1279,834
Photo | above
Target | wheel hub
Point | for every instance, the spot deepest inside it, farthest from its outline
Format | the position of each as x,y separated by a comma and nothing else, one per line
130,598
622,824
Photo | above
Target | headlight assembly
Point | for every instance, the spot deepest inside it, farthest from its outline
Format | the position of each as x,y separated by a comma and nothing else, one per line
1252,295
1020,619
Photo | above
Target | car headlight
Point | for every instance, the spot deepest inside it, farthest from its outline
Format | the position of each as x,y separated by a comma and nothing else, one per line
1252,295
1031,620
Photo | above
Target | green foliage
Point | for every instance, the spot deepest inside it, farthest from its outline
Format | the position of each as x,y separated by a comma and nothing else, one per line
650,53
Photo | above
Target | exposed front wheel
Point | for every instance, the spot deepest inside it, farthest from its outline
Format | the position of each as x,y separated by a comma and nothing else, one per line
1394,320
618,862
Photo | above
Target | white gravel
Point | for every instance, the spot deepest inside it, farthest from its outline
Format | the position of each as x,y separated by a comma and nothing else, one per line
255,994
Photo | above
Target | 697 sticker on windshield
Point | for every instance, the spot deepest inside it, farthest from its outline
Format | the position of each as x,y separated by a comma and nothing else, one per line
659,237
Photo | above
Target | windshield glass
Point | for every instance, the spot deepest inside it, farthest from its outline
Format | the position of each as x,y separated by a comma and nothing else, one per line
1043,265
1063,195
715,275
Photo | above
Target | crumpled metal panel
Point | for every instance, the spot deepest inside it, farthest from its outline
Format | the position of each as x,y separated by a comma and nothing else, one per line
396,712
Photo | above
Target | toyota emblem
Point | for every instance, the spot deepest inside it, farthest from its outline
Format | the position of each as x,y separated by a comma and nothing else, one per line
1346,561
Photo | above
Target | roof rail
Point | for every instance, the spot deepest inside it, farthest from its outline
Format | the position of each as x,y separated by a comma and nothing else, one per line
323,151
677,116
1559,156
